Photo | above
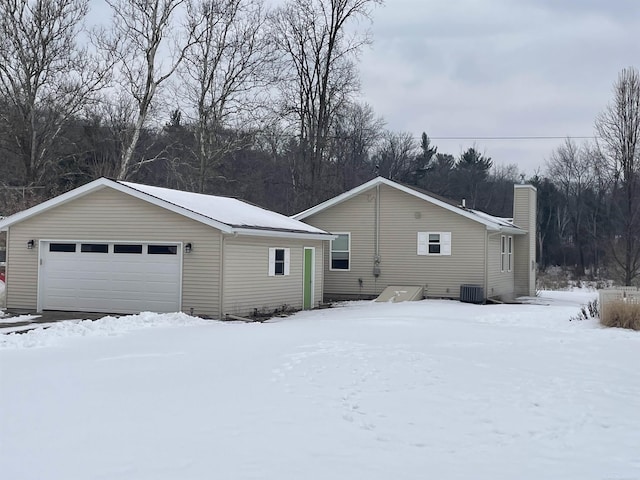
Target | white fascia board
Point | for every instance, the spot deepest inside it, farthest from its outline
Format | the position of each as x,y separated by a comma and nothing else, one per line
54,202
106,183
402,188
514,230
335,200
280,234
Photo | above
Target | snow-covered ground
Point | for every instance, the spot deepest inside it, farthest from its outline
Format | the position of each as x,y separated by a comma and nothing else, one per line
431,389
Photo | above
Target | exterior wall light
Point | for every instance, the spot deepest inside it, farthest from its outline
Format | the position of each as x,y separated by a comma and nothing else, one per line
187,248
31,244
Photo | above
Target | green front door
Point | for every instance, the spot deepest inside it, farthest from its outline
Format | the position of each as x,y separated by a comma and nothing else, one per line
307,291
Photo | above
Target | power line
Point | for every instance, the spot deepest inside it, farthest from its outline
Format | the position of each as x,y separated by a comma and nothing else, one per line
540,137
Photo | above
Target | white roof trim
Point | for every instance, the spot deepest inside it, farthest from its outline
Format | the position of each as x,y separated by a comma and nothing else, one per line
98,185
129,190
282,234
491,225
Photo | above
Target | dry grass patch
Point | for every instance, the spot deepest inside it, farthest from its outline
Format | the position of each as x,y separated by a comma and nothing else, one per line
619,313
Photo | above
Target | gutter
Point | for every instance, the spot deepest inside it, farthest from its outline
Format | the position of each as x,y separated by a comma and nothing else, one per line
221,277
277,234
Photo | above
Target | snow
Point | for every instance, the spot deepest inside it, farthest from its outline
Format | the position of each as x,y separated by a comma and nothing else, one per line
430,389
230,211
502,222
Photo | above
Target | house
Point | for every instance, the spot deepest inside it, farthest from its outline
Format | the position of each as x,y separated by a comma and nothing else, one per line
121,247
393,234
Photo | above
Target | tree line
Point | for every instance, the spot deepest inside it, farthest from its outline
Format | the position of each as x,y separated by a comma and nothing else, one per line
233,97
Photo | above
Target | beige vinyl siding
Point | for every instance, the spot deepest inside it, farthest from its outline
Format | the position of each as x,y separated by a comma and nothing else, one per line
524,216
247,285
500,284
402,216
357,217
109,215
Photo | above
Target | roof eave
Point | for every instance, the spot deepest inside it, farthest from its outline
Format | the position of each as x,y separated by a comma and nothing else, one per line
283,234
513,230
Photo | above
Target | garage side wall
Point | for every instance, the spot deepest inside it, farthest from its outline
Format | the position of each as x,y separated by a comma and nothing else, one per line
247,284
109,215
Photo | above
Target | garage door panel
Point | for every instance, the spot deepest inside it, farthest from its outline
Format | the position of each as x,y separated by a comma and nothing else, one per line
111,282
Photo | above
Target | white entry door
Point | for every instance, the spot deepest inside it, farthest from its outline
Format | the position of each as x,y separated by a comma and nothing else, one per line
110,277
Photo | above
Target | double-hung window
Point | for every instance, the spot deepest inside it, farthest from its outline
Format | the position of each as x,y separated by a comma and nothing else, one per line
340,254
434,243
279,259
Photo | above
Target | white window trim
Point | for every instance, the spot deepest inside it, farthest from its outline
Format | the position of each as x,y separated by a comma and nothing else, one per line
503,251
510,253
272,261
423,244
348,234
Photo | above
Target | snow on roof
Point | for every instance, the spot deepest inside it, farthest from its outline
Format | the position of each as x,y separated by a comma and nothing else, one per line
504,222
230,211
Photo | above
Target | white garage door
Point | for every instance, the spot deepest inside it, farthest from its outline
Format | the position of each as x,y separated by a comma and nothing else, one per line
110,277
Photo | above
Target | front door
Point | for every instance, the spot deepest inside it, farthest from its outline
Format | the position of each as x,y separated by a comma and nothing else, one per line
308,274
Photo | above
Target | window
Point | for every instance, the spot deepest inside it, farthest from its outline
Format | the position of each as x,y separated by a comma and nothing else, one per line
62,247
94,248
279,259
162,249
506,253
434,243
340,252
127,248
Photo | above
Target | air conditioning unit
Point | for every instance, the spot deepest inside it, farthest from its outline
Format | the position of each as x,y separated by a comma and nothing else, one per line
471,294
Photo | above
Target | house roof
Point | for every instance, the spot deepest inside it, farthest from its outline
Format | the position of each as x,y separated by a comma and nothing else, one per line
229,215
491,222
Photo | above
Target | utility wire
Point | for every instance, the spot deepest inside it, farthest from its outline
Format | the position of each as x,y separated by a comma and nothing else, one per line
517,138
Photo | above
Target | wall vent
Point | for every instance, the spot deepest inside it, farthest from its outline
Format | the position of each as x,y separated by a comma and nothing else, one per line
471,294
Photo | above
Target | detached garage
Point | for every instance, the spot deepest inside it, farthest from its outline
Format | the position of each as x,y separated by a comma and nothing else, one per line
120,247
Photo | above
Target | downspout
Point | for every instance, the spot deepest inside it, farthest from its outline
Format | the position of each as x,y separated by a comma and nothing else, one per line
221,274
378,223
6,271
376,258
486,264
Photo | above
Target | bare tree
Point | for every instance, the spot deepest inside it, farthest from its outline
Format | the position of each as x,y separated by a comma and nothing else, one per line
148,46
357,131
619,127
396,155
223,75
45,78
319,74
571,168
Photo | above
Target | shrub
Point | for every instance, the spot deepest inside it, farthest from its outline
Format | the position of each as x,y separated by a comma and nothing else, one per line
590,310
621,314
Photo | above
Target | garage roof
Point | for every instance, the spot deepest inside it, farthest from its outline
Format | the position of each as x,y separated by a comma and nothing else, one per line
229,215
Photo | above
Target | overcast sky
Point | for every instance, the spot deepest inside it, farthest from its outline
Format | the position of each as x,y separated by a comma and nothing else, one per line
496,68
